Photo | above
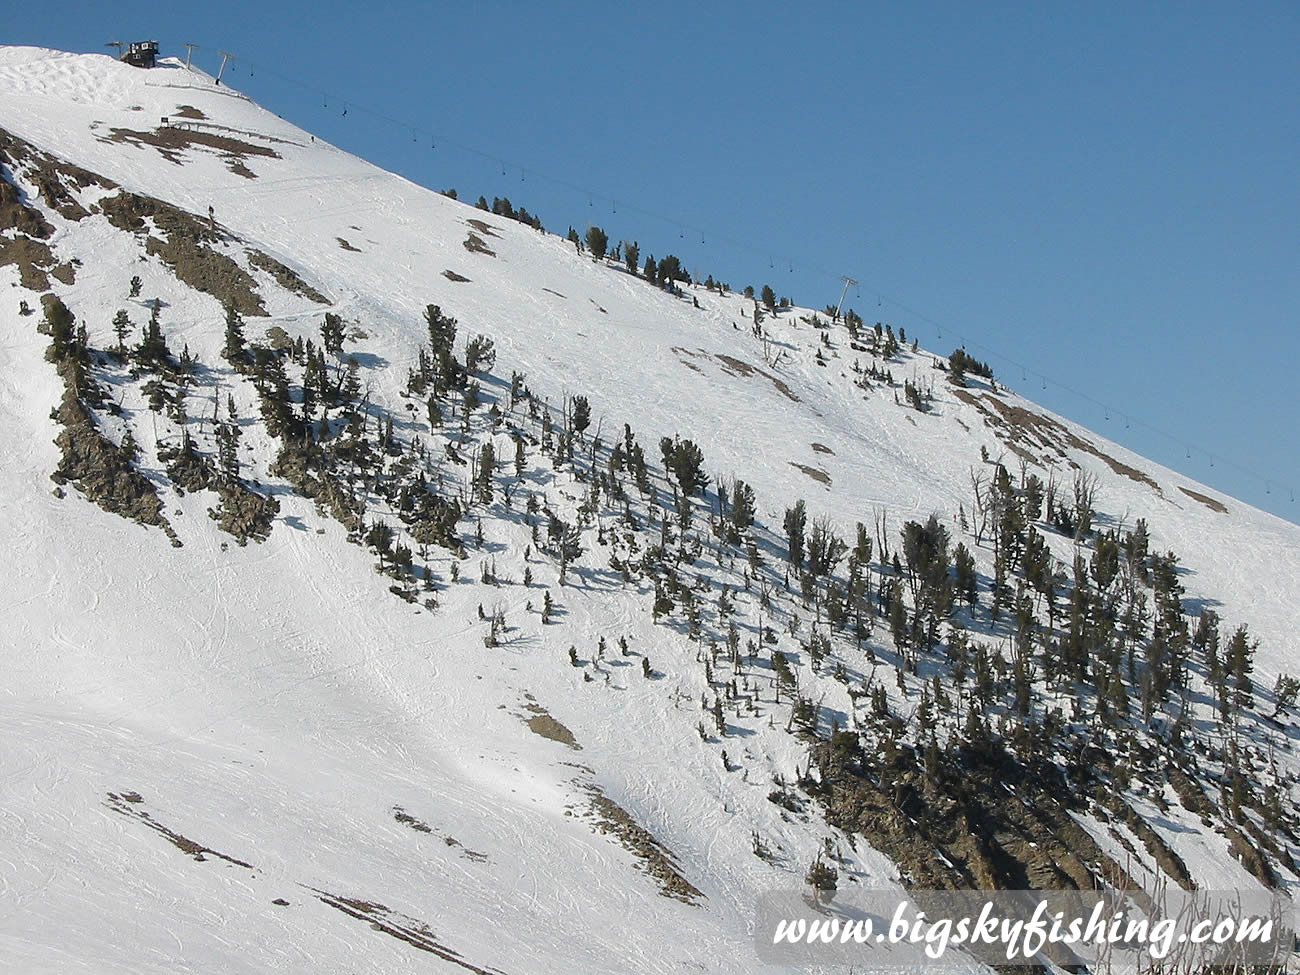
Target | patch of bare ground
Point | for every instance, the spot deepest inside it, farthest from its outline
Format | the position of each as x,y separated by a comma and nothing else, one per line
1022,428
682,355
289,279
821,448
237,167
347,247
475,245
186,248
189,111
413,932
57,181
33,258
816,473
451,275
406,819
128,804
482,227
542,723
172,141
636,839
738,367
1211,503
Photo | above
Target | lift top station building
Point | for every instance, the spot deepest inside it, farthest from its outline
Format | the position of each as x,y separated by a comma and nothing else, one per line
140,54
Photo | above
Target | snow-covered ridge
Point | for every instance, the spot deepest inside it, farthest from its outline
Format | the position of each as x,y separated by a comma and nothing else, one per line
272,704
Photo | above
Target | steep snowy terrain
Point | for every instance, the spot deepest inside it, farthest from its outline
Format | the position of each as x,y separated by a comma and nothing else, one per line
421,800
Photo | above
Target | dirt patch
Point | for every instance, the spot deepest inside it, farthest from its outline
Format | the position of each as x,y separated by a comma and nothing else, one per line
541,723
173,141
406,819
185,248
56,180
347,247
1211,503
237,167
451,275
482,227
286,277
189,111
413,932
209,271
816,473
125,804
735,366
821,448
1022,429
738,367
785,390
33,258
475,245
636,839
16,214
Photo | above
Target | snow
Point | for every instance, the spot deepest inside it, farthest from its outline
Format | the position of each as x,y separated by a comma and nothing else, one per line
275,704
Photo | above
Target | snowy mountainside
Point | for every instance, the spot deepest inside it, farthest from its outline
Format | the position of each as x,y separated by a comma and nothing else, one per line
200,728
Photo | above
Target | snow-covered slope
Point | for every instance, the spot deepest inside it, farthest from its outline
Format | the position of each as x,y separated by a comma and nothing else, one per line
312,739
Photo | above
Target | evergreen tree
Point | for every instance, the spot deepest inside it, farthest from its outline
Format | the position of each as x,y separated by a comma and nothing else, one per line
597,241
796,519
331,333
234,351
121,328
579,414
631,252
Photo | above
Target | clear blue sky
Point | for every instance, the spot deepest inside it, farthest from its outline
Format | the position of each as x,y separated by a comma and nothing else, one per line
1105,195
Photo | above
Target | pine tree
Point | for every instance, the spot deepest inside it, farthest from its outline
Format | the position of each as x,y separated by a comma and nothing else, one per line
234,351
579,414
796,519
631,252
121,328
597,241
331,333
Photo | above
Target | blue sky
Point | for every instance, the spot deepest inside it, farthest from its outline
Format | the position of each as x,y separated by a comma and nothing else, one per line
1102,200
